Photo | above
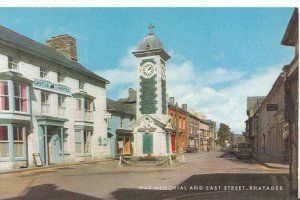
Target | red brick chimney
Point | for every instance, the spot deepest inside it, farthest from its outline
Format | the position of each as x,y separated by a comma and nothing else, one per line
64,44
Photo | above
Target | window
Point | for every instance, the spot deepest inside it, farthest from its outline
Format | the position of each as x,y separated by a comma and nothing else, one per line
78,109
61,106
18,141
4,143
13,63
4,98
45,103
78,141
88,109
82,141
20,97
81,85
60,77
44,72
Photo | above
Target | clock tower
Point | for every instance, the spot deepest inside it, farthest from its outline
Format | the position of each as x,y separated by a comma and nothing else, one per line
151,129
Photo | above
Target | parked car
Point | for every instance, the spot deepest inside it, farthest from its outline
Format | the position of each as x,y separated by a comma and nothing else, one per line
233,149
243,150
192,149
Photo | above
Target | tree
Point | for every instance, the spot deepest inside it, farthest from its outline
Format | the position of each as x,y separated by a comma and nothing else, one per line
224,133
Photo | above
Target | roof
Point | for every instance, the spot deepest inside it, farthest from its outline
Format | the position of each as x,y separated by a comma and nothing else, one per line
150,42
18,41
290,37
116,106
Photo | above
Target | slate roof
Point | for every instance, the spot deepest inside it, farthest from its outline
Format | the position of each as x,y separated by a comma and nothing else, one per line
28,45
120,107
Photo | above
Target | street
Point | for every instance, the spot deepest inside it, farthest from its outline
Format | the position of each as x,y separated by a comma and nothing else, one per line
204,175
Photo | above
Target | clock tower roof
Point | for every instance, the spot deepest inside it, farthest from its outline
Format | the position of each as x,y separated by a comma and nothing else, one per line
151,45
150,42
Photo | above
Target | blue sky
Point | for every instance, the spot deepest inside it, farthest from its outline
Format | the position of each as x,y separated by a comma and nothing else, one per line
223,54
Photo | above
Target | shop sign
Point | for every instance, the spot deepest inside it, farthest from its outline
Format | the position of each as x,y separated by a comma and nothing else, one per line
53,87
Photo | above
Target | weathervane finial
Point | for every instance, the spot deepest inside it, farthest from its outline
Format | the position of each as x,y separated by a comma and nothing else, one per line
151,27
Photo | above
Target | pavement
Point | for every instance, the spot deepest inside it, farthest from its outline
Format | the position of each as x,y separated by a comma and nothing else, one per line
205,175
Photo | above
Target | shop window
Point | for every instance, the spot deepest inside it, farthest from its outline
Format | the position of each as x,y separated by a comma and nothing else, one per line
4,96
44,72
45,100
78,141
61,77
82,141
4,142
13,63
20,97
61,105
18,141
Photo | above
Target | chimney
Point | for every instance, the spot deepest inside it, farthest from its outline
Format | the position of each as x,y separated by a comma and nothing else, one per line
64,44
132,94
172,100
184,107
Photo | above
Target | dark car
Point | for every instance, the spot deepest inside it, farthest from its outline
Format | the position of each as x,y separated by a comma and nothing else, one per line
233,149
192,149
243,150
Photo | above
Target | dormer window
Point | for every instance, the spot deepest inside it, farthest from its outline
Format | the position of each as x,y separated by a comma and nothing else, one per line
44,72
13,63
81,85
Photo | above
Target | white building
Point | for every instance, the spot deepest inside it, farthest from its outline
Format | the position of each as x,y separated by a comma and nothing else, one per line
49,103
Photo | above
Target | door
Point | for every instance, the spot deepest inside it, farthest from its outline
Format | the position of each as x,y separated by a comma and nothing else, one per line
147,143
173,141
126,149
55,150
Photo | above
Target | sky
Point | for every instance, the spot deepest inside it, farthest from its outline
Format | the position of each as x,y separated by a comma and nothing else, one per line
219,56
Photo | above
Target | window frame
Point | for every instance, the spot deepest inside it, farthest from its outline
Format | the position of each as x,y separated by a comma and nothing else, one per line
61,77
20,98
61,99
81,84
7,96
48,104
6,141
19,141
44,73
13,63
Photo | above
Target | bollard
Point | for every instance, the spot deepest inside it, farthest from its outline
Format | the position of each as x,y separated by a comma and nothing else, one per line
171,162
120,161
183,159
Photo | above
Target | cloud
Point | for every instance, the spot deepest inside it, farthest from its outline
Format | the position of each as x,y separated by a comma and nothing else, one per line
200,88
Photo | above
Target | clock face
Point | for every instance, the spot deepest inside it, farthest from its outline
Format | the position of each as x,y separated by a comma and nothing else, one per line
163,71
148,70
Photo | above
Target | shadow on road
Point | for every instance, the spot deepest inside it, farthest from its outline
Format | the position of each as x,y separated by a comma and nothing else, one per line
214,186
51,191
231,157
